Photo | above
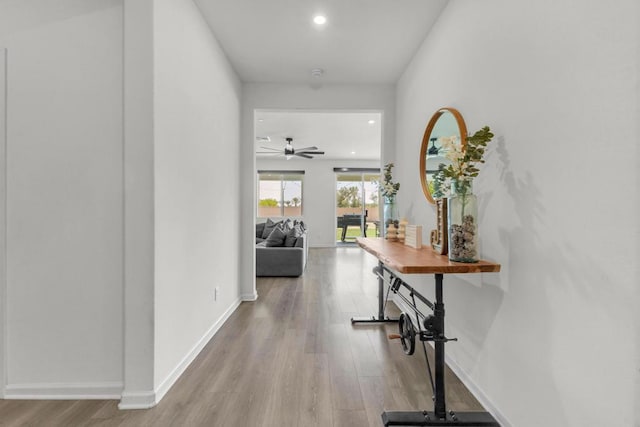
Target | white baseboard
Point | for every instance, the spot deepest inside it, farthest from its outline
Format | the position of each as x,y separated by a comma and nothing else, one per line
103,391
477,392
138,400
173,376
466,379
62,391
249,297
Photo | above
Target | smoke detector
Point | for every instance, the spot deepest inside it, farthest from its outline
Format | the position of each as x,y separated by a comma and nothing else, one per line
317,72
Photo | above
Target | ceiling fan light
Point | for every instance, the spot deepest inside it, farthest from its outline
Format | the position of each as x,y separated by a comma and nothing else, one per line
288,148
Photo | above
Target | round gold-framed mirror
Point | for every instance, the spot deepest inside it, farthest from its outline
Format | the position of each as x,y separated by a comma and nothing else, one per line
447,123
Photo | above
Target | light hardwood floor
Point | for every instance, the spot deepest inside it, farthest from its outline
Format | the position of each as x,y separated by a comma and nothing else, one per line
291,358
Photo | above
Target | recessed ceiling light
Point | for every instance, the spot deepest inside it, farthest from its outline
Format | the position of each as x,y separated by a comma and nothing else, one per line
353,152
261,120
320,19
371,122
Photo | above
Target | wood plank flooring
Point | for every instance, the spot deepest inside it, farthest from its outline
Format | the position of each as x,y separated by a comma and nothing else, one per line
291,358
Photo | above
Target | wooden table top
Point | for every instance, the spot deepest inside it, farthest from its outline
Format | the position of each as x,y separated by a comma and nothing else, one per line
408,260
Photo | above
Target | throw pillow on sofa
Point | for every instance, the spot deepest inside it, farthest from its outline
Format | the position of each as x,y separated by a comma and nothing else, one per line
268,227
292,236
277,237
259,229
300,223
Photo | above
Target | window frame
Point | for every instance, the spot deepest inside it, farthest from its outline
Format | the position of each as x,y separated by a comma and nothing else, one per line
281,203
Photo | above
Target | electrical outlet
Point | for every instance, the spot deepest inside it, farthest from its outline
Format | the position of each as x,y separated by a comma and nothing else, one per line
216,293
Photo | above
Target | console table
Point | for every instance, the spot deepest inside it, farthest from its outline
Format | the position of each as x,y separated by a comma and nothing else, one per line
397,257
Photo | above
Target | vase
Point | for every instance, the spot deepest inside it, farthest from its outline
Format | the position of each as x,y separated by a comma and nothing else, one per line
390,216
463,223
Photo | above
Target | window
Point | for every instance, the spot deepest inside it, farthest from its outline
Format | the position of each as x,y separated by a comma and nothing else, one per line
280,193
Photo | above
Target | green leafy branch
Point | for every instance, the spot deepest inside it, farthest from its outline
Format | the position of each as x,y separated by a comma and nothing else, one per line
463,167
389,189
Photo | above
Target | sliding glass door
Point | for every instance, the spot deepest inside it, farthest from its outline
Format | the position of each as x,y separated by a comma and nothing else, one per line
357,205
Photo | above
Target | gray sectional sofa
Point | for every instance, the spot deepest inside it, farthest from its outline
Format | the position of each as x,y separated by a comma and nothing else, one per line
281,248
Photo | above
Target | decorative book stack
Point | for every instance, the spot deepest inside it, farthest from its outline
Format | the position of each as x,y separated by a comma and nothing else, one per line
413,236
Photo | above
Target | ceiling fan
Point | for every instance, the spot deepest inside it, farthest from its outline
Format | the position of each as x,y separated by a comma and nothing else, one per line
289,151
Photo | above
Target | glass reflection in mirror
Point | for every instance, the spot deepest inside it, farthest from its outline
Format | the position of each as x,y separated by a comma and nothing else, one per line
446,125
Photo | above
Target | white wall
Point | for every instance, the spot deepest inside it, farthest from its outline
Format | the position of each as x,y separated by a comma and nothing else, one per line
552,339
258,96
3,216
197,194
138,170
64,197
318,193
68,168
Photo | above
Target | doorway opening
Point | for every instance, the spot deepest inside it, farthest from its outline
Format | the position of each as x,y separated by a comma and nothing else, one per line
328,139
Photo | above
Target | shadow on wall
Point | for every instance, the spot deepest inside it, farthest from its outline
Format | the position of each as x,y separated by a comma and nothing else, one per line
410,217
558,299
525,246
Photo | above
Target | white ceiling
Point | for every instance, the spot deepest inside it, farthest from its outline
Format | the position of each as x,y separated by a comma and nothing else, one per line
364,41
341,135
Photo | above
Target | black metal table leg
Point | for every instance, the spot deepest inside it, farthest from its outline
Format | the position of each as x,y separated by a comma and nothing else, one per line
427,418
439,415
381,317
440,407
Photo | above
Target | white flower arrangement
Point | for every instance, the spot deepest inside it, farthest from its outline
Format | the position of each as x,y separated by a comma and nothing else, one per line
389,189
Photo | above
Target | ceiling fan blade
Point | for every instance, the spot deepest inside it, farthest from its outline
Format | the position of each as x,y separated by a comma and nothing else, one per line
306,148
306,156
311,152
272,149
